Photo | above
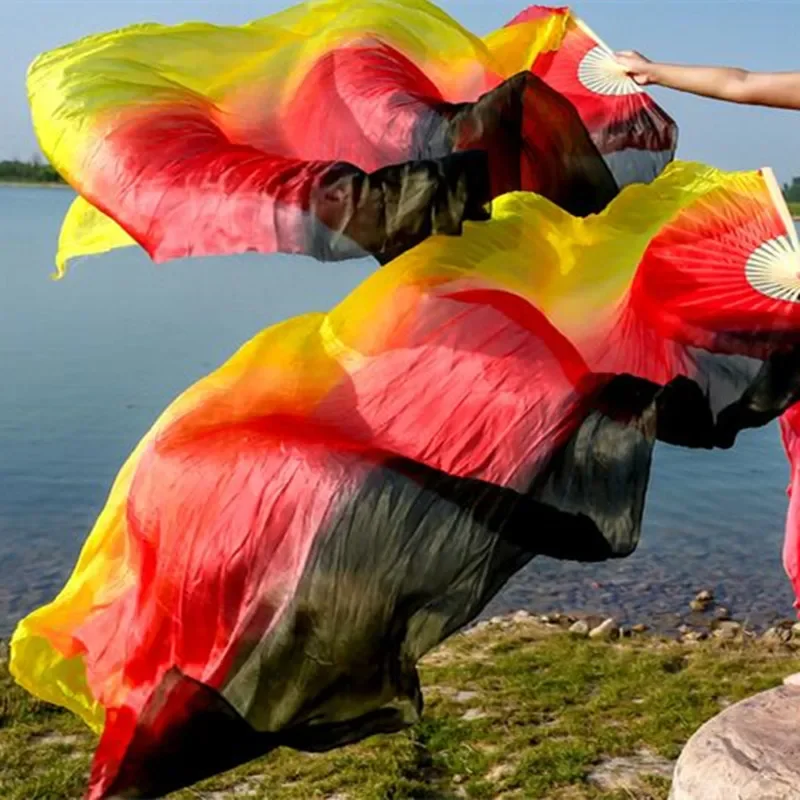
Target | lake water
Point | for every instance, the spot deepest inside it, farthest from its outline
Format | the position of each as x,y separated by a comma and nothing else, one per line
89,362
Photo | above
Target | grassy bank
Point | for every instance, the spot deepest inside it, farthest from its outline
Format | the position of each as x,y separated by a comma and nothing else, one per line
794,209
514,710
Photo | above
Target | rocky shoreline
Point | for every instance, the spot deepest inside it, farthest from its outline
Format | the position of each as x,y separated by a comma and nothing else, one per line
703,620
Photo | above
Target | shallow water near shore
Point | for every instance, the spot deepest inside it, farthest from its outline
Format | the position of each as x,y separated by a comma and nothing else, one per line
89,362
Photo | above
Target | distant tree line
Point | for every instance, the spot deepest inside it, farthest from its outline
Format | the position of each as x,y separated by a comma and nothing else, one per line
792,191
33,171
38,171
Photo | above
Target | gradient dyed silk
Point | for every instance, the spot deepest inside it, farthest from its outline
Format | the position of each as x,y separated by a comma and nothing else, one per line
336,128
302,525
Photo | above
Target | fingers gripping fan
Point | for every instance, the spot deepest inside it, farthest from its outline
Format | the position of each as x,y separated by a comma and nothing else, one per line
635,136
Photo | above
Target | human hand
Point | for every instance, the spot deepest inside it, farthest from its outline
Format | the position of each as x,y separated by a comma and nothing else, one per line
638,68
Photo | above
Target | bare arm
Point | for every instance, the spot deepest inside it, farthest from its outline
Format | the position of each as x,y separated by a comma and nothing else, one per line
774,89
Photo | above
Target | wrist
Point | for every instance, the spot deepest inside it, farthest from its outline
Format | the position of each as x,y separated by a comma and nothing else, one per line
656,74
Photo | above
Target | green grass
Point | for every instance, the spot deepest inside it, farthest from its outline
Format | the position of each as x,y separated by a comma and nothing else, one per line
546,709
794,209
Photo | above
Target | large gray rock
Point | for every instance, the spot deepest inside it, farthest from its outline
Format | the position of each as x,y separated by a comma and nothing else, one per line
751,751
